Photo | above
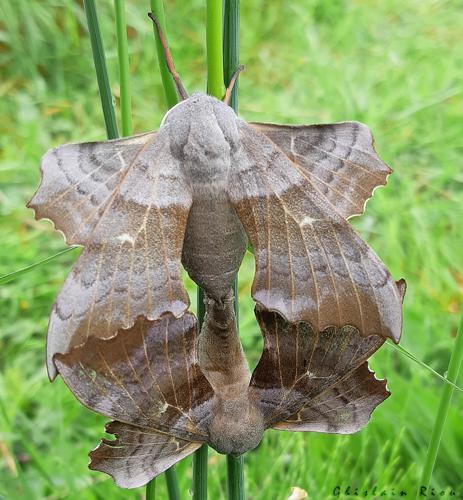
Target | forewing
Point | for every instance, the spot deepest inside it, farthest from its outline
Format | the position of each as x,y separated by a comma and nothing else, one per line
302,370
131,263
339,159
138,454
145,376
310,264
78,181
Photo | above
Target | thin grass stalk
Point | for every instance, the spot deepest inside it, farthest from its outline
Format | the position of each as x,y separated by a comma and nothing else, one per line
447,391
214,48
157,7
172,484
200,455
235,477
215,88
231,45
231,57
101,70
123,56
200,473
151,490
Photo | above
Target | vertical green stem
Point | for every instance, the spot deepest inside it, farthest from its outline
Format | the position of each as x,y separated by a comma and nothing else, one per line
215,88
446,397
231,45
231,56
172,484
101,70
200,473
200,456
214,48
235,477
123,56
157,7
151,490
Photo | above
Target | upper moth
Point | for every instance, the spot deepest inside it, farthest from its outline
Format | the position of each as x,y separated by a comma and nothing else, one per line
192,193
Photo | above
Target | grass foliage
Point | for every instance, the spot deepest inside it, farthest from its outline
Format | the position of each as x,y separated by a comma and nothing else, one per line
394,65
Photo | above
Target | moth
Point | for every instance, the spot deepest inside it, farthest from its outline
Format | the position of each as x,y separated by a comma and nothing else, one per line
169,392
194,193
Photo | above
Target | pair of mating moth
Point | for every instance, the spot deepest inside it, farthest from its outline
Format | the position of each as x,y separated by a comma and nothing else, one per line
194,193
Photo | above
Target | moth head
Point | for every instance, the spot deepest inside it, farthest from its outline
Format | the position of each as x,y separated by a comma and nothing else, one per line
237,426
202,130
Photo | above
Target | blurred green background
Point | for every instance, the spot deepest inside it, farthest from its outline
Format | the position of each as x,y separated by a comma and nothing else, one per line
394,65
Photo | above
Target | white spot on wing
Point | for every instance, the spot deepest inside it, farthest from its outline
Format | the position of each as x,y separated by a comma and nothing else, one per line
121,158
308,221
126,238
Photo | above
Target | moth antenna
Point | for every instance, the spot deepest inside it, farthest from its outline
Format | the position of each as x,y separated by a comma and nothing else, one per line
170,63
229,90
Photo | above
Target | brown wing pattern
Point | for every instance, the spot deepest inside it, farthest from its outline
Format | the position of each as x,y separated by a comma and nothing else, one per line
145,376
302,372
339,159
342,409
138,454
132,230
78,180
310,264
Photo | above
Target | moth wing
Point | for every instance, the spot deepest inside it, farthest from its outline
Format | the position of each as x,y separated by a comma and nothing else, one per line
79,180
339,159
146,376
310,264
138,454
133,235
344,408
309,380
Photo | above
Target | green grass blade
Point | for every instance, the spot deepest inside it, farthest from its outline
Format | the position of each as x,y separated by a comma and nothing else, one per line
235,477
157,7
200,473
101,70
172,484
231,56
123,56
15,274
151,490
447,391
200,455
215,88
231,44
411,356
214,48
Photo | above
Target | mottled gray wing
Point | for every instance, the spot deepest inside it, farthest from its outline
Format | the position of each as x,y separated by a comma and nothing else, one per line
145,376
310,264
127,202
343,409
138,454
339,159
78,181
309,380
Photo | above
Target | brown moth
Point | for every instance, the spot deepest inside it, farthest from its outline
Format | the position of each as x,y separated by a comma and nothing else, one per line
169,392
192,193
